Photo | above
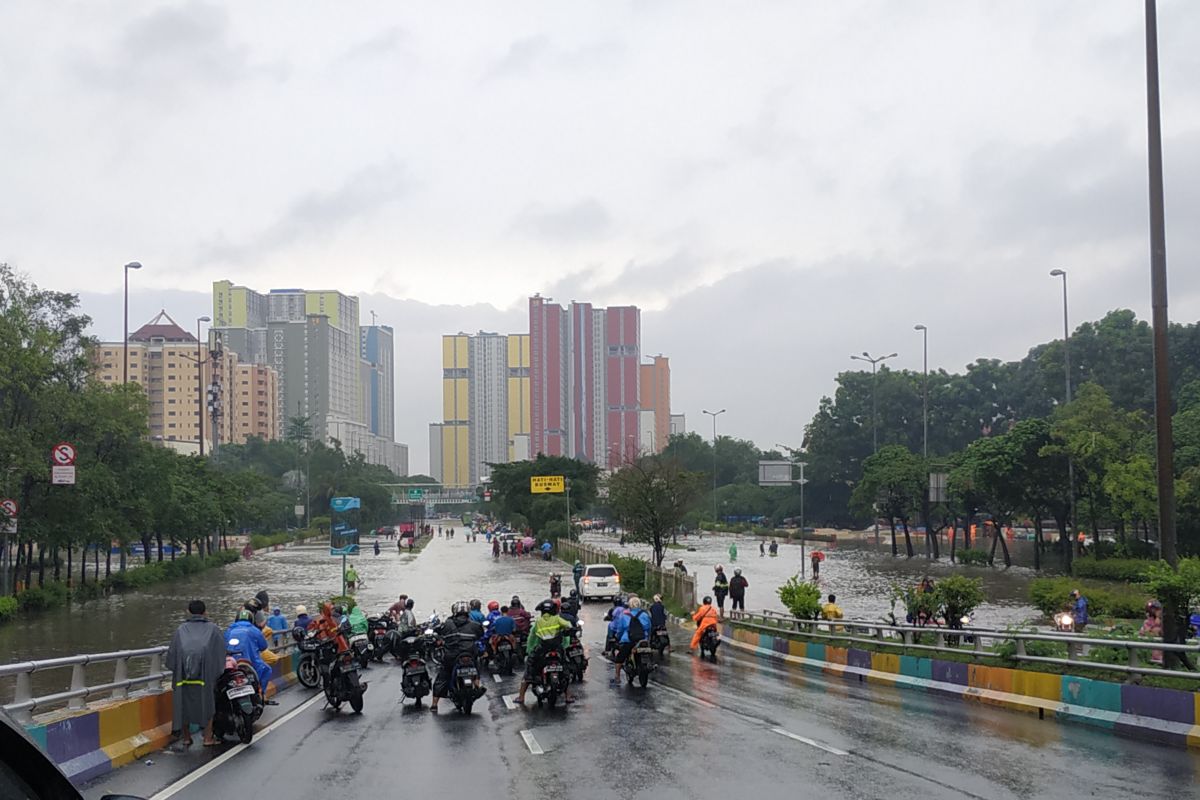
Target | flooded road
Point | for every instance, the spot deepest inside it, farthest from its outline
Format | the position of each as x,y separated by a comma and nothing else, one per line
860,573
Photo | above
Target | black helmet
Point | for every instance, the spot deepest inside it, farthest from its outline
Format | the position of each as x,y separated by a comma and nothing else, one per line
515,602
618,601
476,605
339,610
408,604
460,608
574,593
263,598
547,607
707,600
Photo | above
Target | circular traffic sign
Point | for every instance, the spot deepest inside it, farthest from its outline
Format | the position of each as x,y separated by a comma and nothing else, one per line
63,454
9,507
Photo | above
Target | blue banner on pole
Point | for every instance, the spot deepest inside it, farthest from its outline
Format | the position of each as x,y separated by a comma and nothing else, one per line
344,503
343,527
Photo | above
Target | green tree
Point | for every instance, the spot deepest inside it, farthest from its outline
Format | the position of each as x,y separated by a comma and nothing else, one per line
511,495
652,495
892,483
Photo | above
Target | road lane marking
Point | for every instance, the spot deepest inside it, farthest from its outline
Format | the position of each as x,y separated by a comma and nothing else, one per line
810,742
200,772
510,702
532,743
496,675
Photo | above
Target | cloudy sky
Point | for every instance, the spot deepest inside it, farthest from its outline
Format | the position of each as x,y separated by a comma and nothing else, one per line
777,184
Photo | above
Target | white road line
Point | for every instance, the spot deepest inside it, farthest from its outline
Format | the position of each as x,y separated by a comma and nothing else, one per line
810,742
200,772
496,675
532,743
510,702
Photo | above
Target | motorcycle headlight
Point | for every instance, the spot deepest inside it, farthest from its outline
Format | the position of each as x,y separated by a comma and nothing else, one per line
965,620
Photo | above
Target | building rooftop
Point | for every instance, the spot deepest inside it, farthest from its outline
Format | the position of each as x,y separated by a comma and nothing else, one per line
161,327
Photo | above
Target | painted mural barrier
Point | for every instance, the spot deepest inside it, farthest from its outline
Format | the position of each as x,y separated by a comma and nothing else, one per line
1168,716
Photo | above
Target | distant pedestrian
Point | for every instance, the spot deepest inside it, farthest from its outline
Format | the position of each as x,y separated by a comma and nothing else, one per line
376,547
720,588
762,548
577,573
733,551
196,658
816,563
278,624
399,545
773,549
737,590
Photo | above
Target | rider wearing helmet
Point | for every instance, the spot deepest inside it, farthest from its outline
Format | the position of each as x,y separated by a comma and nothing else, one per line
519,615
570,605
477,611
705,617
548,629
613,616
626,642
246,642
459,635
493,611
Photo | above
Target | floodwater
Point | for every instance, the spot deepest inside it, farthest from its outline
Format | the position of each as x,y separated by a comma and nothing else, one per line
855,569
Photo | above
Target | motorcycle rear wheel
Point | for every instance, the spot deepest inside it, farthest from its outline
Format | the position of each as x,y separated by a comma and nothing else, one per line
643,678
465,706
246,734
356,702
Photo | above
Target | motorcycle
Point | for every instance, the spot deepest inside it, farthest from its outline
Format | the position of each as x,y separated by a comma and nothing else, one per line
577,662
554,677
555,586
660,641
639,665
239,701
1064,622
416,681
339,675
307,670
360,645
465,686
379,630
710,640
502,652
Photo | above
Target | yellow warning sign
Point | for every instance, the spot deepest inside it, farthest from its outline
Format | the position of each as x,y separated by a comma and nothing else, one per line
547,484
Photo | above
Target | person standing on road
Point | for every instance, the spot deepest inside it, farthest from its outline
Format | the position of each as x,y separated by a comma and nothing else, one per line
762,548
737,590
278,623
351,578
196,658
733,551
577,573
721,588
816,564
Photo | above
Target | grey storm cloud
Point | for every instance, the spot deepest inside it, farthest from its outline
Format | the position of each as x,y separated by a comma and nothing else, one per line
578,221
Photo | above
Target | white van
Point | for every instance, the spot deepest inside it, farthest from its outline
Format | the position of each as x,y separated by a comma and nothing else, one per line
599,580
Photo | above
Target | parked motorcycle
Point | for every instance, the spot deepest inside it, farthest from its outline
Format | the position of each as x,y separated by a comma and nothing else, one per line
379,634
709,642
339,674
465,686
360,646
554,676
577,662
660,641
239,701
639,665
307,669
416,646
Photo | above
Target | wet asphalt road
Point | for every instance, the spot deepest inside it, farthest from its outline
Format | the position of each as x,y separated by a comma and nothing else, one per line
744,726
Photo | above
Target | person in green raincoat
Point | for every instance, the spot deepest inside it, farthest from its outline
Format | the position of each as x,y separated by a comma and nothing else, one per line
733,551
358,620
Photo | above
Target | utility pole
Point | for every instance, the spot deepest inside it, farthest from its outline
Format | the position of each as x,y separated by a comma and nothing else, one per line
875,362
714,415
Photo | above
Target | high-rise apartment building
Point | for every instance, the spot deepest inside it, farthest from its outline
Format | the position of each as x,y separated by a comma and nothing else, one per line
485,407
329,369
584,381
655,388
377,351
163,361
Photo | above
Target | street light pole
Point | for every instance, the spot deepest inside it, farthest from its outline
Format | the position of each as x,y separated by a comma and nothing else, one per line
200,384
714,415
925,392
1062,273
1158,293
802,464
874,362
125,341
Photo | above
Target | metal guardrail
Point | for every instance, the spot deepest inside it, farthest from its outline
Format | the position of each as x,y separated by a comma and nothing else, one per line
907,637
24,703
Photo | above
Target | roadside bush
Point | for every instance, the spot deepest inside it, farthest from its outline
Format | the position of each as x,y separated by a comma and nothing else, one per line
39,598
258,541
1132,570
8,608
1008,649
1123,601
554,529
958,596
971,557
801,598
1181,588
632,570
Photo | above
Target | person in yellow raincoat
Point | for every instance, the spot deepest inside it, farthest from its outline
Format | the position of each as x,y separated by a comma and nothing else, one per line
705,617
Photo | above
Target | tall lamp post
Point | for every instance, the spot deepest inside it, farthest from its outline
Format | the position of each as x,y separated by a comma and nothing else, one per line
125,341
1062,273
874,362
200,382
925,433
714,415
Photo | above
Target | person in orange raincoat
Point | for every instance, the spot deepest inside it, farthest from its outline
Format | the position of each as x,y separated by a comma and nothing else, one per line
705,617
327,627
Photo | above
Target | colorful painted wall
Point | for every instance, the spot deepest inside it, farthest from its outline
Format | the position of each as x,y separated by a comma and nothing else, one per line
106,736
1165,715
